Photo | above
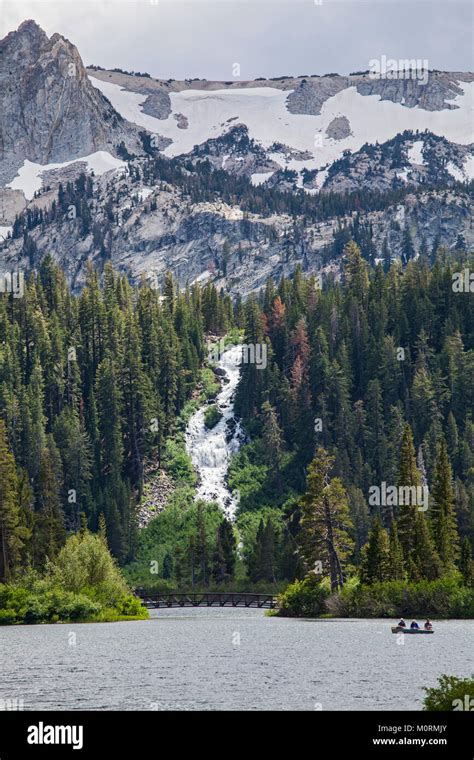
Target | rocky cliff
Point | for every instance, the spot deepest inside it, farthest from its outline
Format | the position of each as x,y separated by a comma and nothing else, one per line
50,111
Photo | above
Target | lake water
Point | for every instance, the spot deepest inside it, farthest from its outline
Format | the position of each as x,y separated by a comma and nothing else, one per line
233,659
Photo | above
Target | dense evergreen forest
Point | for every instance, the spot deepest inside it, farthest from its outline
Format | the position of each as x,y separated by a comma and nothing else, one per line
368,382
89,387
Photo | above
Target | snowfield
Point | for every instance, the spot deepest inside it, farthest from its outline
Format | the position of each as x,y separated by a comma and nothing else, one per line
263,110
415,154
29,177
258,178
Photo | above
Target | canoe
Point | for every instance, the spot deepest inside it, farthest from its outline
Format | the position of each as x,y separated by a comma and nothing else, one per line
398,629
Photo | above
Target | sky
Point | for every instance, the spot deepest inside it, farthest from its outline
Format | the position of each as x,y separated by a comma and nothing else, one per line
207,38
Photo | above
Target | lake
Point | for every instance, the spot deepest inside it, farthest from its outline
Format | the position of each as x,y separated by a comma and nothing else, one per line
231,659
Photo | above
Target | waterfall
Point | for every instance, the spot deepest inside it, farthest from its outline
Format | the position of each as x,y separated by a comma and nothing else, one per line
210,450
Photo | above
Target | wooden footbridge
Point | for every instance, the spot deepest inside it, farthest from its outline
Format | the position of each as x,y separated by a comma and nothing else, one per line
228,599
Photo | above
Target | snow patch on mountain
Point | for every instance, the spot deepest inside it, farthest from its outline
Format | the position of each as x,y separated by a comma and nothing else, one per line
145,193
264,111
415,153
258,178
29,177
469,167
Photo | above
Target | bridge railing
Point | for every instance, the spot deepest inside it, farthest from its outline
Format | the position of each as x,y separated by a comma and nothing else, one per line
204,599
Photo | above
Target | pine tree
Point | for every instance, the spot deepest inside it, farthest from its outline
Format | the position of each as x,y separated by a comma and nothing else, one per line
273,442
223,566
201,545
50,532
408,476
12,531
397,570
408,249
466,564
267,566
325,520
375,561
443,516
423,554
355,271
254,565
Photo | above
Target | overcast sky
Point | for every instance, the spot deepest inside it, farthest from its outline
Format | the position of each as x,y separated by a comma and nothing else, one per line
205,38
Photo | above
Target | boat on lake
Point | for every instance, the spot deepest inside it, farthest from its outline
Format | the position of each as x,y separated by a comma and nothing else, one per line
399,629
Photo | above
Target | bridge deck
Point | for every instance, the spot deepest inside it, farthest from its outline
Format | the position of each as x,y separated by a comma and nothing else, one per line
262,601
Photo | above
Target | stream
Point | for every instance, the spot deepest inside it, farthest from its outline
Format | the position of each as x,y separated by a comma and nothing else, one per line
210,450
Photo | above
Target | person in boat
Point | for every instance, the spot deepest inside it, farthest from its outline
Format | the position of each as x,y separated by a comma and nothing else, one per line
414,624
428,626
402,623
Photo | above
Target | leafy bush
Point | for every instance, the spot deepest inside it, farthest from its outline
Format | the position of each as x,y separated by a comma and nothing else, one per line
24,605
210,385
212,416
82,583
130,606
304,598
178,463
445,597
69,606
85,565
7,617
451,694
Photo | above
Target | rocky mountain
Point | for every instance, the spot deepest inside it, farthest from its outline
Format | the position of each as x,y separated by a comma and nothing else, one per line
224,181
147,228
51,113
300,125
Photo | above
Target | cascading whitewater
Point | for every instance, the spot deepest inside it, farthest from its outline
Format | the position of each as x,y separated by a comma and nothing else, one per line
210,450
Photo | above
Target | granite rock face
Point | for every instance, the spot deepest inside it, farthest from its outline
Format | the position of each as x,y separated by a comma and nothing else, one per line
50,111
435,93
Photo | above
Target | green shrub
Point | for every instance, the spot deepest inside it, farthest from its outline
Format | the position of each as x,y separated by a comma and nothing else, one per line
210,384
304,598
36,609
130,606
178,463
7,616
69,606
451,694
212,416
85,565
445,597
82,583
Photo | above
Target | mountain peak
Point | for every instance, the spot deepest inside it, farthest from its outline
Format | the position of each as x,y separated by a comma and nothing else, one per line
30,25
30,31
50,110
